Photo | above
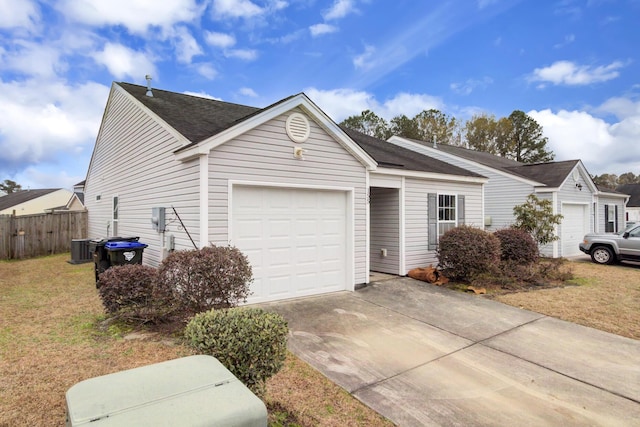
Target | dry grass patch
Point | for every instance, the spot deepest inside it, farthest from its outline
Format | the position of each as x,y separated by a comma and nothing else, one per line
605,297
53,335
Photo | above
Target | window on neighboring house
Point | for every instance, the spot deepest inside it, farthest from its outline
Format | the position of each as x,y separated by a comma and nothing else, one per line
114,217
447,217
610,218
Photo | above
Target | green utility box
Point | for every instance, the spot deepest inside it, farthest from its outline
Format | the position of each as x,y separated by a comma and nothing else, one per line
190,391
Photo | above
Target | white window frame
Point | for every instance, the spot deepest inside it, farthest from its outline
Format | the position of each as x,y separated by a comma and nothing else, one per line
441,208
115,214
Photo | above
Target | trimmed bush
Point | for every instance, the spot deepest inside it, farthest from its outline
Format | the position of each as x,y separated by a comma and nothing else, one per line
517,245
132,292
250,342
212,277
465,252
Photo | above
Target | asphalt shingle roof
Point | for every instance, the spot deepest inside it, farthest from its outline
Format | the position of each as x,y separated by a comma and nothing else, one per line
551,174
200,118
632,190
22,196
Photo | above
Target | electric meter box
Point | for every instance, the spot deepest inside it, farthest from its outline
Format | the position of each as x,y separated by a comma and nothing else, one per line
190,391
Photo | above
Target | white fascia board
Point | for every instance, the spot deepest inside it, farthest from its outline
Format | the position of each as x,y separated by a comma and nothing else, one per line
166,126
419,147
546,189
301,101
432,176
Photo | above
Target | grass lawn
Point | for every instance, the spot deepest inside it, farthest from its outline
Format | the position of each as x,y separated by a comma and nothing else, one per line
52,335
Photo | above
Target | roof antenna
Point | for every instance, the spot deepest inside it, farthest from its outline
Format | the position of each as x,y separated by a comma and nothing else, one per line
149,93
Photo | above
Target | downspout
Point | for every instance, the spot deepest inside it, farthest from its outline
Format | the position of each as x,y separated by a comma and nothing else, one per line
403,262
368,229
204,200
555,212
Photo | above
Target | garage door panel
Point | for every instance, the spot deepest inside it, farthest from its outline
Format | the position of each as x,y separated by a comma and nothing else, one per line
574,227
295,240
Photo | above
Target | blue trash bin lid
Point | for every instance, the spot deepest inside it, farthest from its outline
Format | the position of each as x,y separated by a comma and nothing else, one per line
115,246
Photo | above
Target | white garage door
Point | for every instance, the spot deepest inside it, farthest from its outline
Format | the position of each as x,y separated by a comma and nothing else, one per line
295,239
574,227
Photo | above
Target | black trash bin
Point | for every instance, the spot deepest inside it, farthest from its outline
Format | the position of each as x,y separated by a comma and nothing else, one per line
125,252
101,258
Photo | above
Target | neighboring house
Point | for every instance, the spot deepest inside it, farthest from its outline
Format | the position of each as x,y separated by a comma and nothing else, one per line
76,202
632,210
314,207
29,202
584,207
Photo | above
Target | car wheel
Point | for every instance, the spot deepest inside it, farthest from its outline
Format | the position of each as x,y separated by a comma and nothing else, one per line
602,255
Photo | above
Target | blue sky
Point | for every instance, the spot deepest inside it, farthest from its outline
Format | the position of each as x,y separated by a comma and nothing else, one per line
573,65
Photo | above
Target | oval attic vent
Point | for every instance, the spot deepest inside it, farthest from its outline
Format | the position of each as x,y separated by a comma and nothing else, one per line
297,127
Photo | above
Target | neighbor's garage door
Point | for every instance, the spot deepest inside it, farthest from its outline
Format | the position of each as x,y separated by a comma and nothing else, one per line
574,227
295,239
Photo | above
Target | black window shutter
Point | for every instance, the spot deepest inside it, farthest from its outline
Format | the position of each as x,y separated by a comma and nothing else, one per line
432,220
460,210
616,229
606,218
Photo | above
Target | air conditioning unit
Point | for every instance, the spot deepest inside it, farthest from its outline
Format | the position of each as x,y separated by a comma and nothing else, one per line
80,251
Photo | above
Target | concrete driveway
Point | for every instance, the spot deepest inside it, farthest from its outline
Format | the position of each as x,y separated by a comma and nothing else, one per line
425,356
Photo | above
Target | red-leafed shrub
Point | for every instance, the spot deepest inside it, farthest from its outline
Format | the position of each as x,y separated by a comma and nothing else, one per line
517,245
133,292
465,252
211,277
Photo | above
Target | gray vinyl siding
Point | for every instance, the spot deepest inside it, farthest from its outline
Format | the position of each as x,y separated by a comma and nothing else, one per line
133,159
264,155
384,223
417,253
501,192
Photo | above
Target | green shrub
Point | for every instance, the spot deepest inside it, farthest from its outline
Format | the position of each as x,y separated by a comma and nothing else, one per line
250,342
517,245
465,252
132,292
211,277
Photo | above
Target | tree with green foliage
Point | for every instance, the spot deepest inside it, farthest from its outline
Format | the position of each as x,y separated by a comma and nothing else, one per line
628,178
405,127
606,180
368,123
9,186
527,143
436,126
536,217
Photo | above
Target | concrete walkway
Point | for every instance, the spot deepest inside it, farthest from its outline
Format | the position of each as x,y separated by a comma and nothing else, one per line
425,356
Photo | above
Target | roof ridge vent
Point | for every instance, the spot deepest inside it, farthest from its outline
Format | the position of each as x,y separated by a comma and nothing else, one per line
149,92
297,127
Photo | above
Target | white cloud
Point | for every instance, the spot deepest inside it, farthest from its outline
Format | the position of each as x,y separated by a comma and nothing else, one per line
207,71
122,61
572,74
340,9
244,54
33,59
186,45
136,15
236,9
247,91
342,103
18,14
603,147
468,86
367,59
485,3
320,29
40,120
220,40
567,41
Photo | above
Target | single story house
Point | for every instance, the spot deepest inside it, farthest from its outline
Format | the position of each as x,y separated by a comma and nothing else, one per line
585,208
31,202
632,210
313,206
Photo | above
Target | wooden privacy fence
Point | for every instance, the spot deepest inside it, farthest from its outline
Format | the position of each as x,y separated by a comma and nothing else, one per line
43,234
